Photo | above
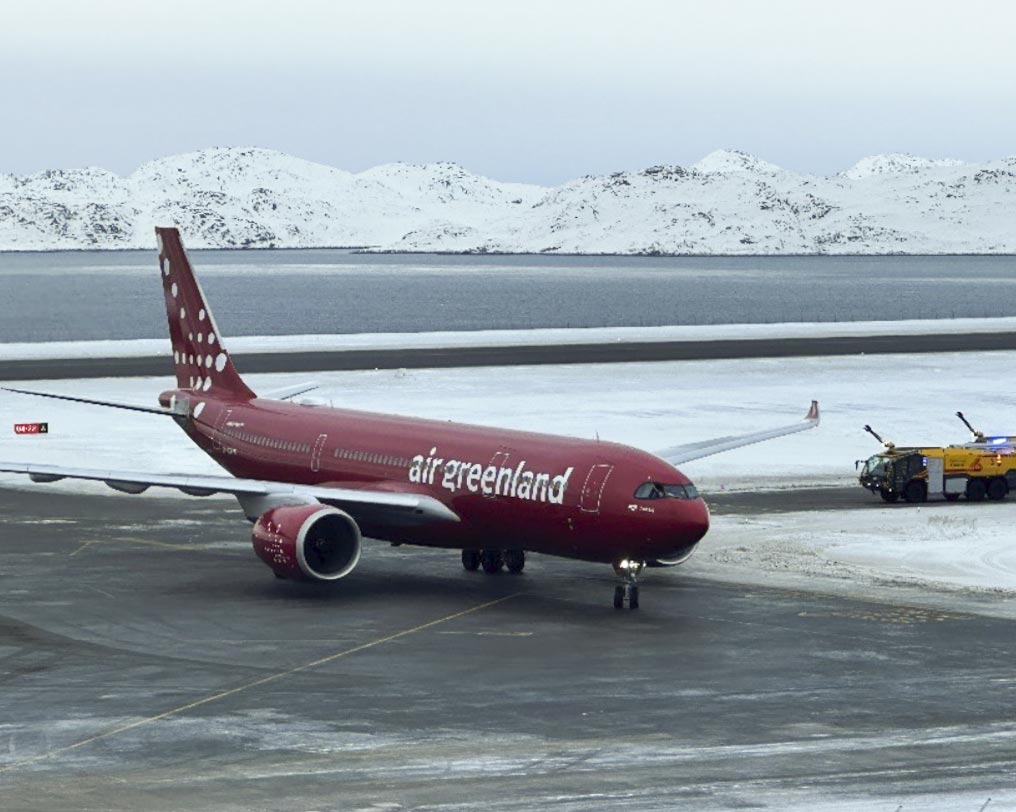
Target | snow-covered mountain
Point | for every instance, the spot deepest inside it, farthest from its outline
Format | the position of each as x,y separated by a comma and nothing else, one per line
729,202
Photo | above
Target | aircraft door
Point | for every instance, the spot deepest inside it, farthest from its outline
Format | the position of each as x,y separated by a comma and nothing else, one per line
220,428
592,490
499,460
502,512
315,454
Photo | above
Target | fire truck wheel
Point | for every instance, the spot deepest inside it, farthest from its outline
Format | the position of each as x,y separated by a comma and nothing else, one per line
997,489
976,490
889,496
952,497
915,492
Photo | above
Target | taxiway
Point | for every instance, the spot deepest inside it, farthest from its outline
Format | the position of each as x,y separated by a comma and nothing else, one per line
599,352
149,661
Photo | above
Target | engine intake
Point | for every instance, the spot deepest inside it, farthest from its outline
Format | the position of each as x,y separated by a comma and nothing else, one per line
678,557
308,542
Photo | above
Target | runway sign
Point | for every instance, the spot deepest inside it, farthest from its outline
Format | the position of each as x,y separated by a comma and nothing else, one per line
31,428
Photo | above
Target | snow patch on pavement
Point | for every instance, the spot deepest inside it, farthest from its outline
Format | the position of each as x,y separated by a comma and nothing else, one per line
955,548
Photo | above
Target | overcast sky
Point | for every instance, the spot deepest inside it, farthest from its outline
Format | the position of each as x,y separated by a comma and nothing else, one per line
531,90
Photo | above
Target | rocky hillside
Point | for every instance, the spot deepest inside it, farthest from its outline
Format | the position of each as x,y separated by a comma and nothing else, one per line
727,203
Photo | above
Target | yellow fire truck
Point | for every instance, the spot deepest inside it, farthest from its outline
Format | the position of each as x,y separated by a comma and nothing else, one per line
983,468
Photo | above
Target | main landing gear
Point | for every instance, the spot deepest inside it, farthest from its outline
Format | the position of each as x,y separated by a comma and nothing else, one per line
494,560
628,572
470,560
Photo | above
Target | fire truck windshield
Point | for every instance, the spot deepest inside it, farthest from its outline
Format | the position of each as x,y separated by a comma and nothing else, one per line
874,467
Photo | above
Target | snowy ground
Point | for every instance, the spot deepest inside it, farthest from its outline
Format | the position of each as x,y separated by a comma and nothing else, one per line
652,405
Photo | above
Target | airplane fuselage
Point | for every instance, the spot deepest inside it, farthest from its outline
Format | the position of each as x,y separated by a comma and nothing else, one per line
511,489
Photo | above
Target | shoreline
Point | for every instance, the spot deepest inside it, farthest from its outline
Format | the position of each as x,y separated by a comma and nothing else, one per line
369,250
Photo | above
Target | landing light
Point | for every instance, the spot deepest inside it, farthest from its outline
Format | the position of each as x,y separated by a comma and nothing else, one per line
627,567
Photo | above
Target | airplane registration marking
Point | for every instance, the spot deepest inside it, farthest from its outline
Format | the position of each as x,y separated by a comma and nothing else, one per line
255,684
641,509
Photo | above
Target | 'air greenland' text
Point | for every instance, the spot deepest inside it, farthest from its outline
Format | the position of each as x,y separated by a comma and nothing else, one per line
515,482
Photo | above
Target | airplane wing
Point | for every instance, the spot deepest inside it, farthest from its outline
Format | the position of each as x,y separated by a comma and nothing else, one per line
394,507
108,403
678,454
290,392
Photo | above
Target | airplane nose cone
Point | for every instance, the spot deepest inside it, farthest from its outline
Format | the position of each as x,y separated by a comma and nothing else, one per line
689,522
697,517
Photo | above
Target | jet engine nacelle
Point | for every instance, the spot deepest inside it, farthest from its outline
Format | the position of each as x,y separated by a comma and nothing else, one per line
679,557
307,542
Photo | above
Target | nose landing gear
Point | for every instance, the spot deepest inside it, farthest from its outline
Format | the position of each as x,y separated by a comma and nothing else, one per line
628,571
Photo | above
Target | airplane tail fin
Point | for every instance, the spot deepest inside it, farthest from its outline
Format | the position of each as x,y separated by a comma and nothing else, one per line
199,356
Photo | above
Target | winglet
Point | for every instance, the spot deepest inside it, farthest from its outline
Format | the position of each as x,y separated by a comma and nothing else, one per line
813,415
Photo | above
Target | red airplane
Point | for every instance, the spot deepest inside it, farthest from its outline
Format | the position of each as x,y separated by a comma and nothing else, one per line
315,480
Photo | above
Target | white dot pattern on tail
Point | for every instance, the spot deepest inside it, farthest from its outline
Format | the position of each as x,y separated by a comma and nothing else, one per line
201,314
183,312
199,409
173,289
220,362
208,384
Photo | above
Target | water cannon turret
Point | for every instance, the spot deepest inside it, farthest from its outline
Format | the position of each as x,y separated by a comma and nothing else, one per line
978,435
889,444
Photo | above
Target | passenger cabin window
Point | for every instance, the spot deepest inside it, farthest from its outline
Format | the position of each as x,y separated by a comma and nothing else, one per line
660,490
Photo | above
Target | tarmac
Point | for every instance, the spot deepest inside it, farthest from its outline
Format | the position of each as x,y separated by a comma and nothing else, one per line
596,353
149,661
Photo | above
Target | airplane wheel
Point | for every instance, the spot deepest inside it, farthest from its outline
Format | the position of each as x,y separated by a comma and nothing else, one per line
491,561
619,597
997,489
633,597
470,560
515,561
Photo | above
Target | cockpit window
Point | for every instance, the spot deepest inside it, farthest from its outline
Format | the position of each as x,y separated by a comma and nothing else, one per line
660,490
